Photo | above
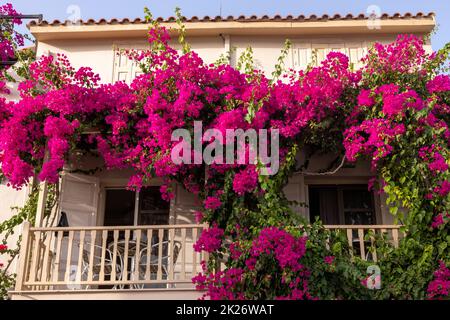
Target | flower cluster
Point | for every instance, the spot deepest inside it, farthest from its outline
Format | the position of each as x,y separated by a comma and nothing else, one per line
212,203
245,180
440,219
439,288
287,249
328,260
220,285
210,240
440,83
274,256
371,138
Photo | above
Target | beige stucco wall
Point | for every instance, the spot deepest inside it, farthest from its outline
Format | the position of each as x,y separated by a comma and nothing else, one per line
10,198
99,53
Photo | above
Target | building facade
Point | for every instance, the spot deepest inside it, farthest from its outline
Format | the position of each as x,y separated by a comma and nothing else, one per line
105,223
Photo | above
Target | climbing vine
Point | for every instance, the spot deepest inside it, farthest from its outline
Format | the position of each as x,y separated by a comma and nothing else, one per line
393,112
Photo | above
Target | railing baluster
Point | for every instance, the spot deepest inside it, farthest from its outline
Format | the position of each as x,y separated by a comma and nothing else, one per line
171,260
101,277
23,257
194,253
160,254
47,252
41,252
372,242
80,255
395,237
205,255
35,256
149,254
125,256
57,256
183,253
91,255
137,255
114,262
350,241
69,256
361,243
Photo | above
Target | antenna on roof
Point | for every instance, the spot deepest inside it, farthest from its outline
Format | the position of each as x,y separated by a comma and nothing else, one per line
22,16
220,10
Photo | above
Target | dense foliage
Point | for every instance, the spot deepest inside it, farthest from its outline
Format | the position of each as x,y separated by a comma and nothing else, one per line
394,112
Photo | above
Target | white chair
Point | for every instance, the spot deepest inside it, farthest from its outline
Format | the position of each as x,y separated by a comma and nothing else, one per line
166,259
109,264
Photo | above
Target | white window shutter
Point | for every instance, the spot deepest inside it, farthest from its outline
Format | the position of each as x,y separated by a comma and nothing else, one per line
302,56
79,199
124,68
355,52
321,51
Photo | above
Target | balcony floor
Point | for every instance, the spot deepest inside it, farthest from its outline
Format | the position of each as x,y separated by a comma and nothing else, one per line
141,294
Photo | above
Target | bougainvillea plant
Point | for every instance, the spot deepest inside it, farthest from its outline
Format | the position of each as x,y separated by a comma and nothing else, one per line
393,112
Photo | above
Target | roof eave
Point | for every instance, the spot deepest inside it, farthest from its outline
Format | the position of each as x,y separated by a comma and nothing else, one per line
288,28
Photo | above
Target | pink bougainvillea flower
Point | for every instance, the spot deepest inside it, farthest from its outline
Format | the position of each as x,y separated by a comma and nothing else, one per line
212,203
329,259
440,83
439,288
438,164
199,216
210,239
365,99
245,180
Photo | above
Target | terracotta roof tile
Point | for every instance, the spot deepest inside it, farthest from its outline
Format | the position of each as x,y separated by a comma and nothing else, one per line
241,18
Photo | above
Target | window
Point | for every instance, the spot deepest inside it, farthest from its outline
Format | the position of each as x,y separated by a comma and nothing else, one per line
305,52
153,210
124,68
342,204
121,209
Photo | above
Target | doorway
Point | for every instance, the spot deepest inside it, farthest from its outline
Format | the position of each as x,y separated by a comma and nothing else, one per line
129,208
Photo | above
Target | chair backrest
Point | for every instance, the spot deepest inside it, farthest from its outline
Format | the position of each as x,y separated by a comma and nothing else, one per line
176,251
165,251
97,253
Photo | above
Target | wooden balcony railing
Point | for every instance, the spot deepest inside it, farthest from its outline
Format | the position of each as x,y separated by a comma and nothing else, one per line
82,258
143,257
362,238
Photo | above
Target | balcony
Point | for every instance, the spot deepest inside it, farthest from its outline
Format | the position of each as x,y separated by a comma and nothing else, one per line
75,261
143,262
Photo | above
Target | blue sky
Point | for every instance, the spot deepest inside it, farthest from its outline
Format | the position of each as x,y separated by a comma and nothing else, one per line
58,9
